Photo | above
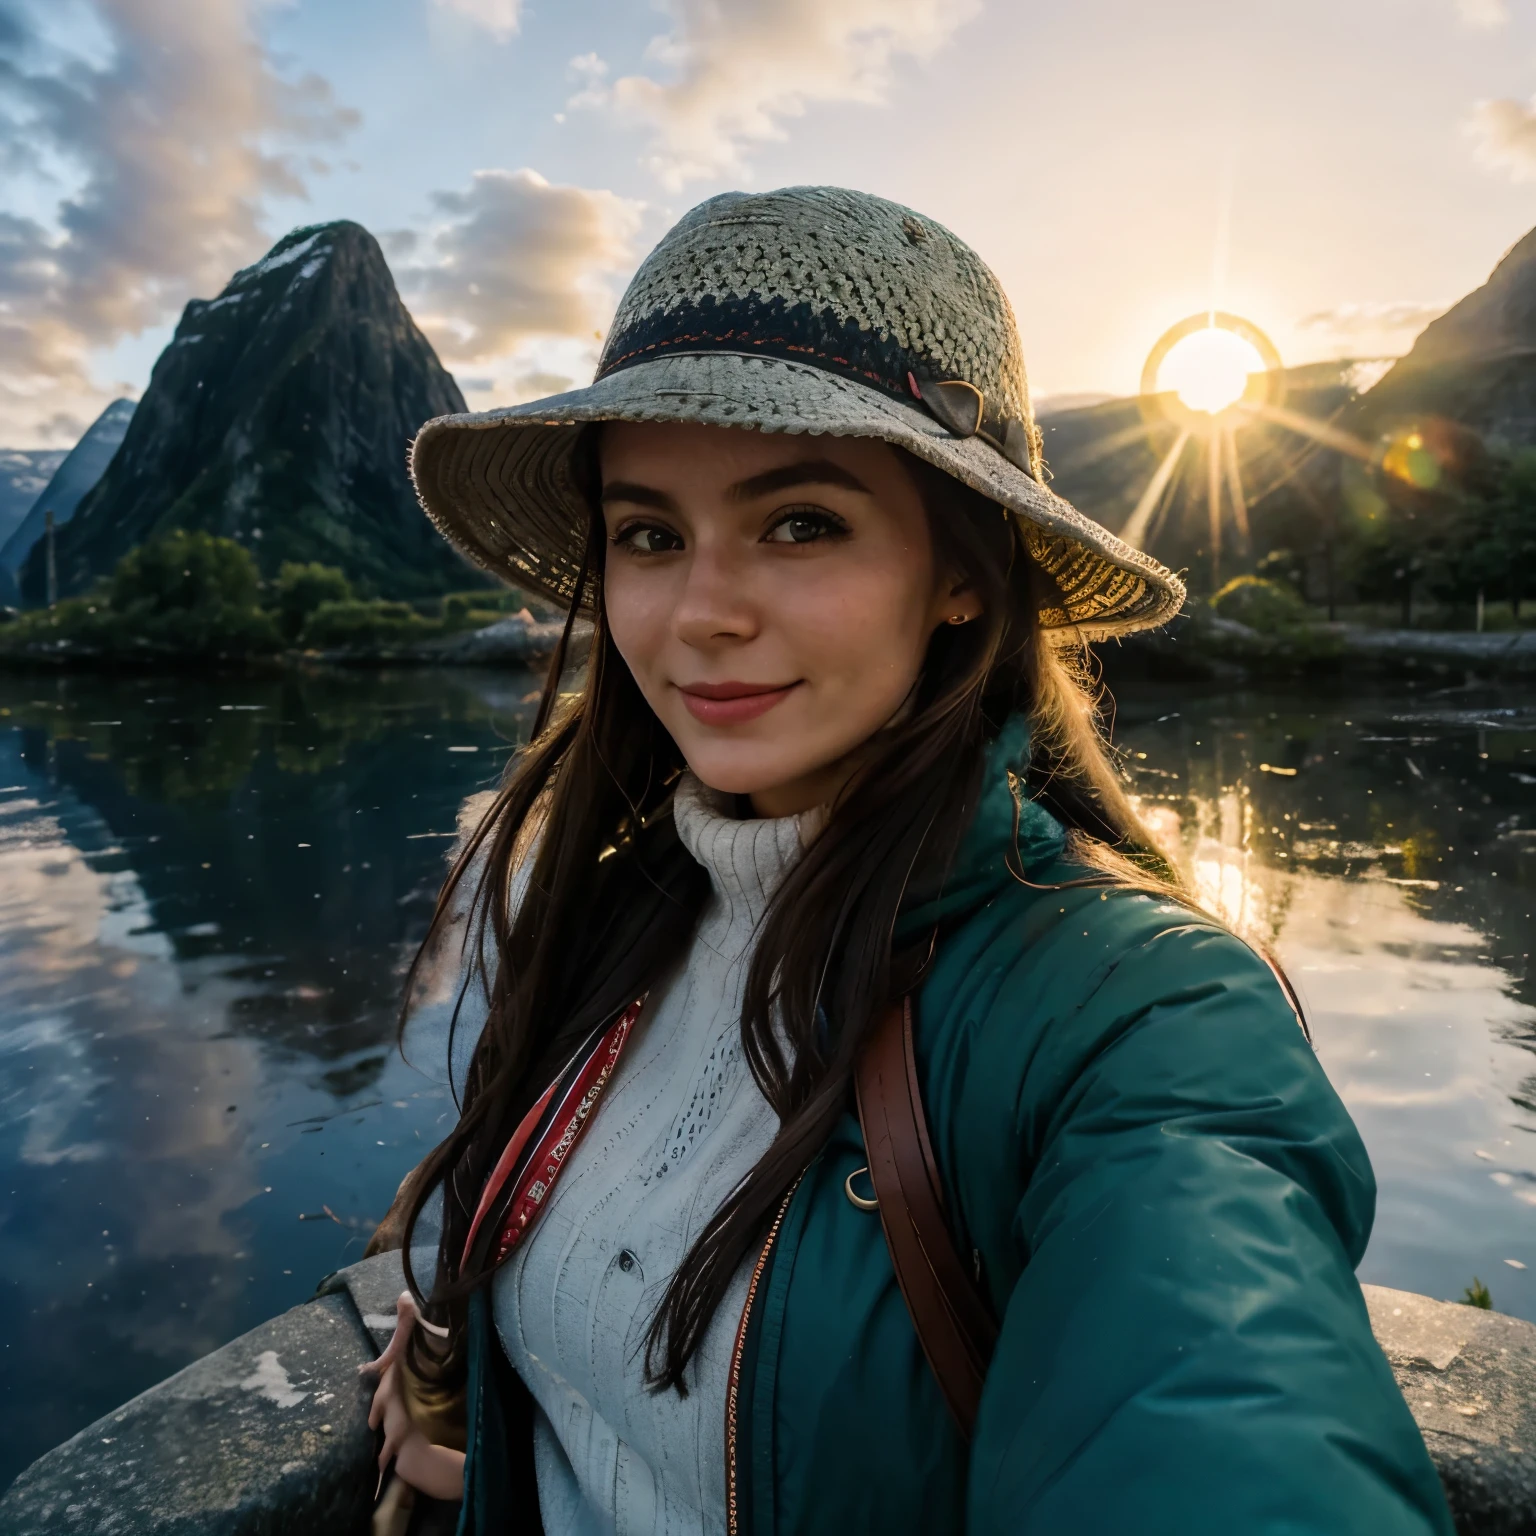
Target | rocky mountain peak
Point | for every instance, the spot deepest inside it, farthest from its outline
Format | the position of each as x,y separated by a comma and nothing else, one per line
1498,319
279,416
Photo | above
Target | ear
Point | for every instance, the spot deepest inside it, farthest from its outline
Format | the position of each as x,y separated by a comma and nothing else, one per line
957,602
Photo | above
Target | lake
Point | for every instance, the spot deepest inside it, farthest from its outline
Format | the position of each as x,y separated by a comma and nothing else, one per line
209,889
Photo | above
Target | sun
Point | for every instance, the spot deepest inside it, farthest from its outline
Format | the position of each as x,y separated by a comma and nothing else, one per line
1207,381
1202,369
1208,376
1209,369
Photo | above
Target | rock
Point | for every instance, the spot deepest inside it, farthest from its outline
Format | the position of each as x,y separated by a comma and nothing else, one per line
1470,1378
1510,651
267,1435
514,640
374,1285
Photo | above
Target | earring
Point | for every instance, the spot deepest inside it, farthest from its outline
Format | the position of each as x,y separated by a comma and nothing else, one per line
959,618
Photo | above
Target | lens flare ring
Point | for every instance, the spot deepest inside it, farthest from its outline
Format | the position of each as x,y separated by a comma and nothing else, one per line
1215,390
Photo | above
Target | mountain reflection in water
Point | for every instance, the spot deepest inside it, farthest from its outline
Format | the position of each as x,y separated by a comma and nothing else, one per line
209,890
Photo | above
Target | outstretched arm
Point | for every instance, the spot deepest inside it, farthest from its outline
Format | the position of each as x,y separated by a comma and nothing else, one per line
1187,1350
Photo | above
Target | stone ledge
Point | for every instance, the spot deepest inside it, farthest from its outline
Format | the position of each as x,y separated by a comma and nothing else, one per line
269,1435
1470,1378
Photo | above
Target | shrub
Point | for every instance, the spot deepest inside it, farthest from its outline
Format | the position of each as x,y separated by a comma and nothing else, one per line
1264,606
185,572
336,624
302,588
1285,567
181,595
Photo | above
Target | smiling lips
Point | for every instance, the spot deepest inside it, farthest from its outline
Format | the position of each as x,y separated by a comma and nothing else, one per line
732,703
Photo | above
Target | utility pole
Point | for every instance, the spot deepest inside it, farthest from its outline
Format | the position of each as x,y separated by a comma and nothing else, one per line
53,567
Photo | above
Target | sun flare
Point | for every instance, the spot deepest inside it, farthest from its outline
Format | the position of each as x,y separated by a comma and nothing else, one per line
1209,369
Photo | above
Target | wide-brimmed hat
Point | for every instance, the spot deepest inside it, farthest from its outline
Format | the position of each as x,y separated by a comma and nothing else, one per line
807,310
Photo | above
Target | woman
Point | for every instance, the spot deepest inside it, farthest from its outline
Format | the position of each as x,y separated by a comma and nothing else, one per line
828,755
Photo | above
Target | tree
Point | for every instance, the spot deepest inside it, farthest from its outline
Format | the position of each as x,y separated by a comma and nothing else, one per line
191,592
185,572
302,588
1512,527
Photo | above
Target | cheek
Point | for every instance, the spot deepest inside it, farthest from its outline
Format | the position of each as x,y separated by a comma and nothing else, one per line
637,609
862,622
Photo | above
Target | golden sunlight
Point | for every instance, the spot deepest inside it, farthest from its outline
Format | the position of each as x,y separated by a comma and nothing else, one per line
1208,369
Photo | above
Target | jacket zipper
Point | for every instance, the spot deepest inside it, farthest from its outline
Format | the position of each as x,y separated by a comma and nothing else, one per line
733,1388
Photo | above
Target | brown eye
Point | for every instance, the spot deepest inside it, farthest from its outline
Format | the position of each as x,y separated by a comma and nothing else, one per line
805,525
647,539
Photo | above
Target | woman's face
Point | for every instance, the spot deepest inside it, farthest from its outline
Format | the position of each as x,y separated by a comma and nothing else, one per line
773,596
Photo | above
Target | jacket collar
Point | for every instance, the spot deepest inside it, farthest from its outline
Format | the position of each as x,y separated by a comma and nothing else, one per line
980,869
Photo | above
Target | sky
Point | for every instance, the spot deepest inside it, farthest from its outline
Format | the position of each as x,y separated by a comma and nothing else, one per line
1337,171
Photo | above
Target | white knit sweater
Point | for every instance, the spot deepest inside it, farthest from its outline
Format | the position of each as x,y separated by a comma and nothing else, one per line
680,1125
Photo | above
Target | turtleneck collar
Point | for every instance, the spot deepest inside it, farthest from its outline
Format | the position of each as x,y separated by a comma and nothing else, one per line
746,859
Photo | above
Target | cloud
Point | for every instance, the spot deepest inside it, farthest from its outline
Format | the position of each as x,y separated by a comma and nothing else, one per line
501,18
514,259
592,72
736,71
1503,133
1485,15
1372,319
158,139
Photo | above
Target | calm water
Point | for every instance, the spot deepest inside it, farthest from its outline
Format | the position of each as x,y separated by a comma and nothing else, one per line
208,891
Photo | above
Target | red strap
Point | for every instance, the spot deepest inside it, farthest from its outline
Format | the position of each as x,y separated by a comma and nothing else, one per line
505,1164
539,1172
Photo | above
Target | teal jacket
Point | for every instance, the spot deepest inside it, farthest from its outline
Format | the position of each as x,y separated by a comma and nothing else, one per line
1165,1201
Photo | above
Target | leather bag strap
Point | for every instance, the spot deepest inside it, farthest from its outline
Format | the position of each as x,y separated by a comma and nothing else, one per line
953,1320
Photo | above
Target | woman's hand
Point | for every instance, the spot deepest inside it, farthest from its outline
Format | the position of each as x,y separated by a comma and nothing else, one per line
434,1470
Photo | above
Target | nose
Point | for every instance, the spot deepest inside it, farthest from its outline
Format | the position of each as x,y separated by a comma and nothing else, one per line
715,602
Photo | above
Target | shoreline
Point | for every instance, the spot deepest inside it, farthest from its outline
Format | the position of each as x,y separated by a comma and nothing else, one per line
510,642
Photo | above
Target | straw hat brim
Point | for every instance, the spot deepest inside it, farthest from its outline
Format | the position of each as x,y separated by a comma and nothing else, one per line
499,484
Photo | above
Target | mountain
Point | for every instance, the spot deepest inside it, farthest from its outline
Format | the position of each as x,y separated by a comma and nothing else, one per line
1103,457
1476,364
1055,405
23,474
80,469
279,416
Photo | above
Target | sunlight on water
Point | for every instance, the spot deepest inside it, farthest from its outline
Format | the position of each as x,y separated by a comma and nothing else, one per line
1385,852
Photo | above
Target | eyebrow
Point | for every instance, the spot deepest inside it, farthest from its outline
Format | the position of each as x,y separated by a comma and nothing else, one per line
785,477
638,495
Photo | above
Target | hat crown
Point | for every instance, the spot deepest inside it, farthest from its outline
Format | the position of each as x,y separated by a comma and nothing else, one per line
828,276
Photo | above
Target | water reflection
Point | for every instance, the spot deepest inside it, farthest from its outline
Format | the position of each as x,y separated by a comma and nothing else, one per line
208,890
207,893
1386,850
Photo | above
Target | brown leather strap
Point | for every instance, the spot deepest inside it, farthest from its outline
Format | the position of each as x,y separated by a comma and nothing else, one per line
953,1321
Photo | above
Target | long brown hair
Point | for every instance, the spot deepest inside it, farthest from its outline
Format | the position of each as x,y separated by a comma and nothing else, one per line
613,898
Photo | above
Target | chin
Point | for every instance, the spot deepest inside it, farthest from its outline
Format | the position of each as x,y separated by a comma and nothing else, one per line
742,772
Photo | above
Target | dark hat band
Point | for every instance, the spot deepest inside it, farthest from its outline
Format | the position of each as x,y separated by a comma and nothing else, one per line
799,333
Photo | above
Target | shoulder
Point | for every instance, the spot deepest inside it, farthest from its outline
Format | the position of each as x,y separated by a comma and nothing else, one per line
1082,965
1088,1031
1056,1007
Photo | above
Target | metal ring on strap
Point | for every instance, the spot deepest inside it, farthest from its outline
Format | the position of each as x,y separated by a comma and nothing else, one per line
858,1202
